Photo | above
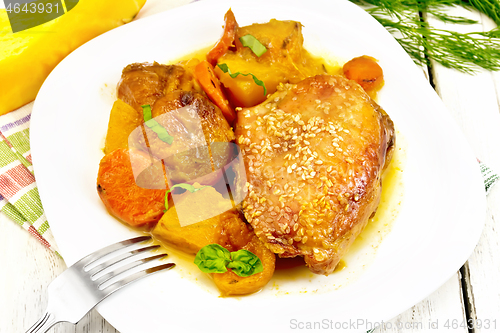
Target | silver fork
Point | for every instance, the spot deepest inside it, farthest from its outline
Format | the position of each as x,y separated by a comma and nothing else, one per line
78,289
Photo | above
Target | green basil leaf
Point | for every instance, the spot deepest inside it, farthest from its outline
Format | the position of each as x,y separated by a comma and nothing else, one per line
185,186
244,263
258,82
254,45
212,258
155,126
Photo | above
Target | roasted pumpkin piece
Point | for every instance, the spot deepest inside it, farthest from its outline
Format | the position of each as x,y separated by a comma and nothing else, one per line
190,238
285,61
191,229
123,119
242,90
283,40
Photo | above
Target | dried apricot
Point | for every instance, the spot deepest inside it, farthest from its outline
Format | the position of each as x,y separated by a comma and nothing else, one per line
235,234
366,72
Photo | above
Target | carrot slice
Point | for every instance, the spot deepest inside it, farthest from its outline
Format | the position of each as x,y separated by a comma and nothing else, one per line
204,72
120,192
227,39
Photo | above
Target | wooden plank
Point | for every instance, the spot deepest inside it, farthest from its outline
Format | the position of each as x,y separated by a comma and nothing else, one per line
474,103
27,270
443,307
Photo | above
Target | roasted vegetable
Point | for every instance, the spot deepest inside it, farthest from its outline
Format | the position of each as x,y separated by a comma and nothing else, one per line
190,238
227,39
133,201
123,119
204,72
284,61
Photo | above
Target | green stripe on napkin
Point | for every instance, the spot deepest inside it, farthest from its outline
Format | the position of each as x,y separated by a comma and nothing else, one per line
19,197
489,177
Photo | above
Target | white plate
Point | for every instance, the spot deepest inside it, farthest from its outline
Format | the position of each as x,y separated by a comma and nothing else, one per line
436,230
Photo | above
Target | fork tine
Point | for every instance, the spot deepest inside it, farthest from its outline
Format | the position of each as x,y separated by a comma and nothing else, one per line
136,276
126,267
119,258
109,249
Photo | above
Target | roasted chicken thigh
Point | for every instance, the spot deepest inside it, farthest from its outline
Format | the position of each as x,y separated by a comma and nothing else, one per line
314,153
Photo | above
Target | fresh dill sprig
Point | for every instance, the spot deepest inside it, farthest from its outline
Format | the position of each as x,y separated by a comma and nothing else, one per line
461,51
488,7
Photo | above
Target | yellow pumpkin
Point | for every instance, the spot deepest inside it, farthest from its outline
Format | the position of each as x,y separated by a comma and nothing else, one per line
27,57
123,119
285,61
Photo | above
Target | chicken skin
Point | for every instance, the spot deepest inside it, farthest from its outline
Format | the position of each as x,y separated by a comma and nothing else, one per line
314,153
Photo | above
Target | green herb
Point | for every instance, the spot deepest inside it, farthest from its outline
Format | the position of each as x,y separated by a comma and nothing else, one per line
146,112
155,126
188,187
461,51
214,258
258,82
245,263
254,45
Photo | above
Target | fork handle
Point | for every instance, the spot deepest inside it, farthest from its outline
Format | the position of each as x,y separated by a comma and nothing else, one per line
43,324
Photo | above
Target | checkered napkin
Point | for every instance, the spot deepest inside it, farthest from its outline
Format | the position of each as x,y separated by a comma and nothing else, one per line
19,198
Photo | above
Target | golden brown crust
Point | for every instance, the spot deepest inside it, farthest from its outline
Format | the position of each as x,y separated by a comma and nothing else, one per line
314,153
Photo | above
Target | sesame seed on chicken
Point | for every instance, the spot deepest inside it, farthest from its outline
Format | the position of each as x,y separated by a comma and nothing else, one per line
314,153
